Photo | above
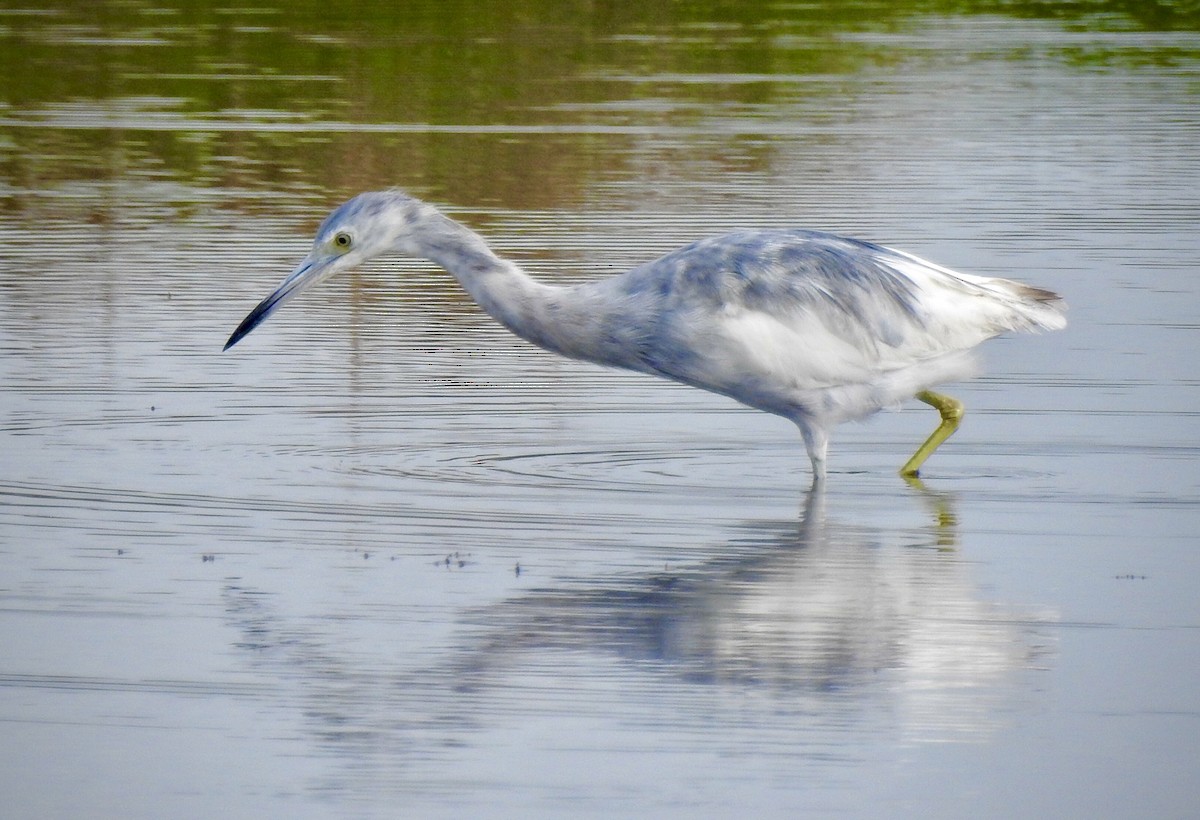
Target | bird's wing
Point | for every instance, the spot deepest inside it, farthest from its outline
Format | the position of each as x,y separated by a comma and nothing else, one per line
795,311
808,285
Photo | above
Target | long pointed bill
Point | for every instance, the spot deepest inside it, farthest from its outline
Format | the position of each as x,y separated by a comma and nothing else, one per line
310,272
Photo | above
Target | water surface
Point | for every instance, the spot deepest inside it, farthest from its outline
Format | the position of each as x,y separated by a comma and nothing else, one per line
383,558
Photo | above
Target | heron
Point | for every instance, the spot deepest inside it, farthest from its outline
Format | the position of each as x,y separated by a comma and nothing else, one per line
814,327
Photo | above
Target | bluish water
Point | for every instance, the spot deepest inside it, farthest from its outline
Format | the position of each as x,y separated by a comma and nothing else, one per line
384,559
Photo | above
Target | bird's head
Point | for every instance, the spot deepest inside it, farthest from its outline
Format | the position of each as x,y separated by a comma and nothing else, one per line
364,227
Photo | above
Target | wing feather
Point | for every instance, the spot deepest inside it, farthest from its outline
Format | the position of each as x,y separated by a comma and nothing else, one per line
784,315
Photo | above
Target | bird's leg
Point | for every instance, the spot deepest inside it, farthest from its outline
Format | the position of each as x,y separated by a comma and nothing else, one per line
816,441
951,411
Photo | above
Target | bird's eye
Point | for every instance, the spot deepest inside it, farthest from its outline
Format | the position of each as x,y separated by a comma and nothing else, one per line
342,240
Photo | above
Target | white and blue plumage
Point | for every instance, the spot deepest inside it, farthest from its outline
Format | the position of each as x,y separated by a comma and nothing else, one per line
813,327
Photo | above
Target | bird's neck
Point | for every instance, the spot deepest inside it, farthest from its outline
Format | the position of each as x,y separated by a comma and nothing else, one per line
549,316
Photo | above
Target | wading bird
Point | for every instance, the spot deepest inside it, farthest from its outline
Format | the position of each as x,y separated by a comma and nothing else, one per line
816,328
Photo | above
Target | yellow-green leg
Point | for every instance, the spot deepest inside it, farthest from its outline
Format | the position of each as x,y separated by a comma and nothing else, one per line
951,411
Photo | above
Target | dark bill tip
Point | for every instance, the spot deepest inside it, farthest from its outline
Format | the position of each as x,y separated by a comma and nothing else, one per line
253,320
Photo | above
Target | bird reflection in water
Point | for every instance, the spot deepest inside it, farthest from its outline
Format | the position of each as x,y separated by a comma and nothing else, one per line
827,625
818,607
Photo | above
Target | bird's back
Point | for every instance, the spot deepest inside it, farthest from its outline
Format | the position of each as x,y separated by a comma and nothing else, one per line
795,321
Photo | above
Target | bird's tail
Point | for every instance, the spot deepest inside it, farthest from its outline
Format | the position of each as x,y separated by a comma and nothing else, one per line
1031,308
1007,305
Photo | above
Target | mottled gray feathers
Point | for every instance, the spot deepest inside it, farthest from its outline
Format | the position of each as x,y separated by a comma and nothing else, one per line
781,272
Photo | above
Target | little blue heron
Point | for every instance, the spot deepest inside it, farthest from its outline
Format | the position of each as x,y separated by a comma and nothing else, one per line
810,326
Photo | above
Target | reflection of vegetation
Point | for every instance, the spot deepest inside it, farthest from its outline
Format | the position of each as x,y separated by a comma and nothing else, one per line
228,96
1148,14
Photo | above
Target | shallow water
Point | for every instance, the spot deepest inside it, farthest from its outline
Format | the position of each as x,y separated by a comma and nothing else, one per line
383,559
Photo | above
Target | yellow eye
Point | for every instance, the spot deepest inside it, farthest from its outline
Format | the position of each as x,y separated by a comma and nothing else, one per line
343,240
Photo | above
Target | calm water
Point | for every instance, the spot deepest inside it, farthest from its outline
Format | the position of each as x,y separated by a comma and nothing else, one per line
384,560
